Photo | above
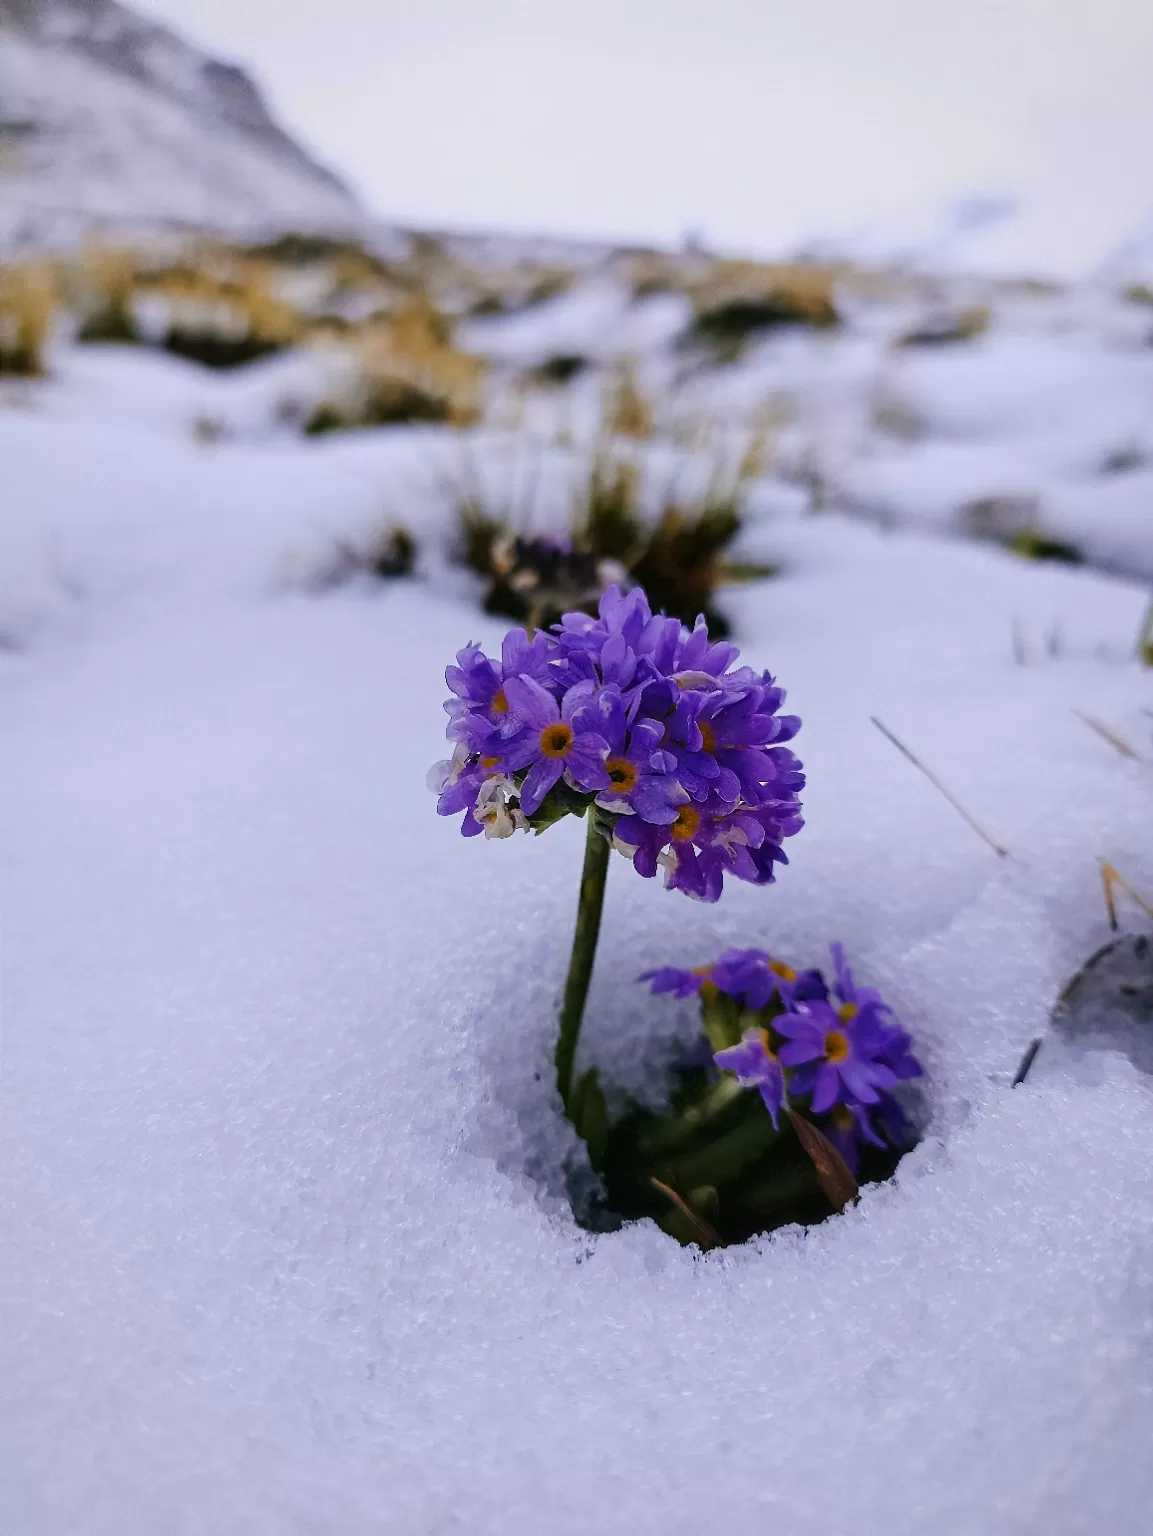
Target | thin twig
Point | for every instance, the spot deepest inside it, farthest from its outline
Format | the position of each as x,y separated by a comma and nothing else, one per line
707,1236
1110,877
1027,1061
986,837
1110,904
1118,743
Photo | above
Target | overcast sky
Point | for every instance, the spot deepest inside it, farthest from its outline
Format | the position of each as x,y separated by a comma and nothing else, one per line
760,123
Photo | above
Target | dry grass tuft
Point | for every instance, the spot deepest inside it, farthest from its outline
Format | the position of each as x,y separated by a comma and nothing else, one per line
28,303
401,367
940,330
221,314
736,299
511,290
102,291
679,556
629,411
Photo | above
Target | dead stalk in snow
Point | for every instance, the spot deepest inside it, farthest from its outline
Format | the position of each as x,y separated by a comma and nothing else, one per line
1111,877
707,1236
986,837
1118,743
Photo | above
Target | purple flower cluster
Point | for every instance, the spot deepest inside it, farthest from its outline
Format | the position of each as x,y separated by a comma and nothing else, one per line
682,752
839,1048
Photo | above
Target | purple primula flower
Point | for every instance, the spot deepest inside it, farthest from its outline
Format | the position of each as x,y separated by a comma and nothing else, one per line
753,977
614,665
847,1127
681,749
702,845
846,988
839,1054
895,1051
756,1066
480,705
623,615
638,767
681,983
750,977
850,1125
554,740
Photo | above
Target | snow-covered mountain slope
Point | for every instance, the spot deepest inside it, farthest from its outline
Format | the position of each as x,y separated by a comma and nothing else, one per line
108,120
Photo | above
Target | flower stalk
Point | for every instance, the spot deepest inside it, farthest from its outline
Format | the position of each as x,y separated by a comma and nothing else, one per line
584,948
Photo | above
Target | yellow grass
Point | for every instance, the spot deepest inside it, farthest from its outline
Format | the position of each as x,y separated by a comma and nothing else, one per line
101,287
403,366
805,291
233,302
28,302
629,411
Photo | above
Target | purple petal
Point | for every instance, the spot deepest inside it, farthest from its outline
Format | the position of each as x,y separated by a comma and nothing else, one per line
825,1089
532,704
541,777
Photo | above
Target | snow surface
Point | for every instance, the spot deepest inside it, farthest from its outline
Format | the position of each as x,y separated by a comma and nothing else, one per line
281,1175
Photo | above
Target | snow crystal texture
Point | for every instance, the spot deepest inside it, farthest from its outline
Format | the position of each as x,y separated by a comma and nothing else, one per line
285,1245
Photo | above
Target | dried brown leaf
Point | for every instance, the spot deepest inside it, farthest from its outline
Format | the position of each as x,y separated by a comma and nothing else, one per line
833,1174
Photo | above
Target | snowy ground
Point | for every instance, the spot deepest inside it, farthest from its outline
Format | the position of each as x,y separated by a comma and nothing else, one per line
285,1249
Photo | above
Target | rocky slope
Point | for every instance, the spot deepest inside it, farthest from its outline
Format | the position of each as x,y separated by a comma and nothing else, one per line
108,120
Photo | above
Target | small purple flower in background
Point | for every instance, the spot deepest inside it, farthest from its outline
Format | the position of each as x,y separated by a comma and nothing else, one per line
893,1043
681,983
756,1066
750,977
845,987
847,1127
753,977
843,1051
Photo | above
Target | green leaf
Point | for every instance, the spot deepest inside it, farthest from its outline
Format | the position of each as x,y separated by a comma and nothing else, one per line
561,801
589,1114
547,815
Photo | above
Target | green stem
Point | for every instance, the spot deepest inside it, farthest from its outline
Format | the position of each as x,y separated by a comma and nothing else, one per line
584,948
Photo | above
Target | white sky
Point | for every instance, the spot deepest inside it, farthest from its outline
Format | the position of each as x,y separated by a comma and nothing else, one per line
760,123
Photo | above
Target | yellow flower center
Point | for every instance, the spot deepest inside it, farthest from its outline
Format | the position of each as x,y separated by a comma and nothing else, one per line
847,1012
708,737
499,702
622,773
489,762
785,972
766,1045
836,1046
708,988
686,824
556,739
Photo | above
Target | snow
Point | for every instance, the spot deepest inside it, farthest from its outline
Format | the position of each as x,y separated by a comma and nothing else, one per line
596,319
281,1177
